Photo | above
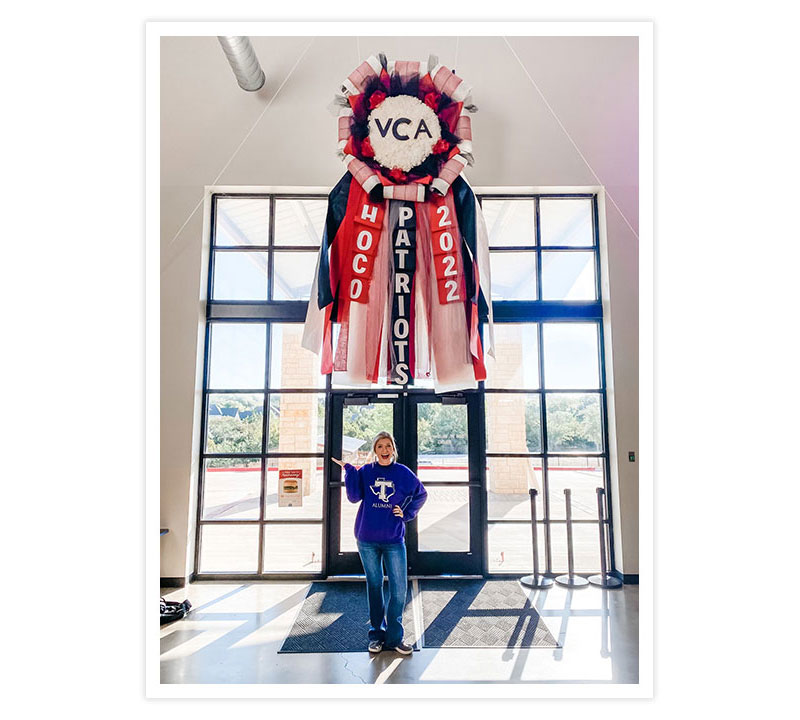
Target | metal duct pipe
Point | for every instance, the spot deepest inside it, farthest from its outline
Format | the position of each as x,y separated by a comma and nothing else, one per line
243,61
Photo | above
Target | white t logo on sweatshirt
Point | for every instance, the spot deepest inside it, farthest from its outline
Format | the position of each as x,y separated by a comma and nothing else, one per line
379,488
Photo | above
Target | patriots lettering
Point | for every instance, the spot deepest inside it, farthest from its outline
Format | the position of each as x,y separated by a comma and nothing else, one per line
404,257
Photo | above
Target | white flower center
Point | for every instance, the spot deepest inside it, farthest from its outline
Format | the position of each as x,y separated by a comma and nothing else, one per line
402,132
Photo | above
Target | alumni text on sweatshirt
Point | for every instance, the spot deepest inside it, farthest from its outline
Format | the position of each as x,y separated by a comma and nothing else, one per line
379,488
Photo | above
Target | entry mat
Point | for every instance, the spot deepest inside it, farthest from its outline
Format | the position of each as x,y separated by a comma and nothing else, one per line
335,618
481,613
454,613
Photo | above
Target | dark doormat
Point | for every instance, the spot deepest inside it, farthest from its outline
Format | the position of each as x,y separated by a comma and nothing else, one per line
480,613
334,618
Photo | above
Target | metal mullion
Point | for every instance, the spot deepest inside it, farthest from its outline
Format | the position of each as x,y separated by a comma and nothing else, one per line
231,391
297,196
514,455
262,503
512,248
537,236
202,469
573,391
210,284
444,483
242,248
292,521
565,196
326,463
534,456
606,448
296,248
270,253
230,522
568,248
545,475
554,521
297,391
247,195
298,454
234,319
232,456
596,248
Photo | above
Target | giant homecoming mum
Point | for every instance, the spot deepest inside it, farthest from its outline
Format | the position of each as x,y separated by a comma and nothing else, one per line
403,271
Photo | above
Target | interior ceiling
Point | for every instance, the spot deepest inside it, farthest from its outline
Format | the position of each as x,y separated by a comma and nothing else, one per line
552,111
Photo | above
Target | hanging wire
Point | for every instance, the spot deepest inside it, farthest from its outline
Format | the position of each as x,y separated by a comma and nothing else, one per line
566,132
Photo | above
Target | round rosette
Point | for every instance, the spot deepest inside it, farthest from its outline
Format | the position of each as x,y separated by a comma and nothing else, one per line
404,124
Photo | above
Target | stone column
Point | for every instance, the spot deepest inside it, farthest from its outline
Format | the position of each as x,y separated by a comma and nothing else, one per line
505,415
299,425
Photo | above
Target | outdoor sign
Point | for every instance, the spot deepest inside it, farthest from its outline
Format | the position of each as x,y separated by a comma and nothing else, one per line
290,488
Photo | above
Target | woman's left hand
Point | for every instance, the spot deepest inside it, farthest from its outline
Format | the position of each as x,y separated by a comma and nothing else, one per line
397,510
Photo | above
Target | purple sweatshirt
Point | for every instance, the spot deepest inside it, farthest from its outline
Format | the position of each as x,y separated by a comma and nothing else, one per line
380,488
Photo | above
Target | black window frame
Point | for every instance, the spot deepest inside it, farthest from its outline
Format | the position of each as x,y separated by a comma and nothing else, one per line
505,311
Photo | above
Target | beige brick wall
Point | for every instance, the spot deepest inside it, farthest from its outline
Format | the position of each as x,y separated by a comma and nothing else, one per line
505,415
299,424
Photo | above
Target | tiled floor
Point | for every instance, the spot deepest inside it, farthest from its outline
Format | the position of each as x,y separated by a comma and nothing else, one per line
234,631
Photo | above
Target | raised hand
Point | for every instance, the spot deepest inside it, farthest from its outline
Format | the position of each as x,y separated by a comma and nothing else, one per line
338,462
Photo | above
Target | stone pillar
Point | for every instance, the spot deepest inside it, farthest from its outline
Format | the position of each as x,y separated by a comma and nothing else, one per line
299,425
505,415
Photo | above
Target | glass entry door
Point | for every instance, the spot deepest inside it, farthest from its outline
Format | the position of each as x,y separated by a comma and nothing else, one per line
436,439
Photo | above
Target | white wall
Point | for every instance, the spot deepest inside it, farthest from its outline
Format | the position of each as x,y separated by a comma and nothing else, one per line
552,112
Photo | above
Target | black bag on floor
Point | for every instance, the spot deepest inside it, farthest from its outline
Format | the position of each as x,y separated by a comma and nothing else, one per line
171,611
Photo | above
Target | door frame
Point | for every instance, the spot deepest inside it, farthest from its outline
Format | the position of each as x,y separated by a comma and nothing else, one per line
405,404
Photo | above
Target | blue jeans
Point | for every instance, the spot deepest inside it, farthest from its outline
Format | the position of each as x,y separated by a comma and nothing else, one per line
386,621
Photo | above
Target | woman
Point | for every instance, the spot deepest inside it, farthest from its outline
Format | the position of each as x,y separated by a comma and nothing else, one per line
390,495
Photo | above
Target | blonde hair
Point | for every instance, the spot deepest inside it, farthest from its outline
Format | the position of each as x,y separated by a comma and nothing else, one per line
380,436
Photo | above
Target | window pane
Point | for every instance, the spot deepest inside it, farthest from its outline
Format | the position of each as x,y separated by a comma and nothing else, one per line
311,507
347,527
442,443
571,355
585,547
360,424
567,275
228,548
296,422
566,221
294,273
242,221
510,222
511,548
443,522
235,423
291,365
508,481
513,275
513,423
582,476
300,222
231,489
239,275
293,548
516,362
573,422
238,353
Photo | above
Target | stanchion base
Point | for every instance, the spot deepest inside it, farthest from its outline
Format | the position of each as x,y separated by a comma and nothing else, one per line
572,581
608,581
536,582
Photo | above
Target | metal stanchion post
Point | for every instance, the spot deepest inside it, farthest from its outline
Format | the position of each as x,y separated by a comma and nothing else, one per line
535,580
570,579
603,579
